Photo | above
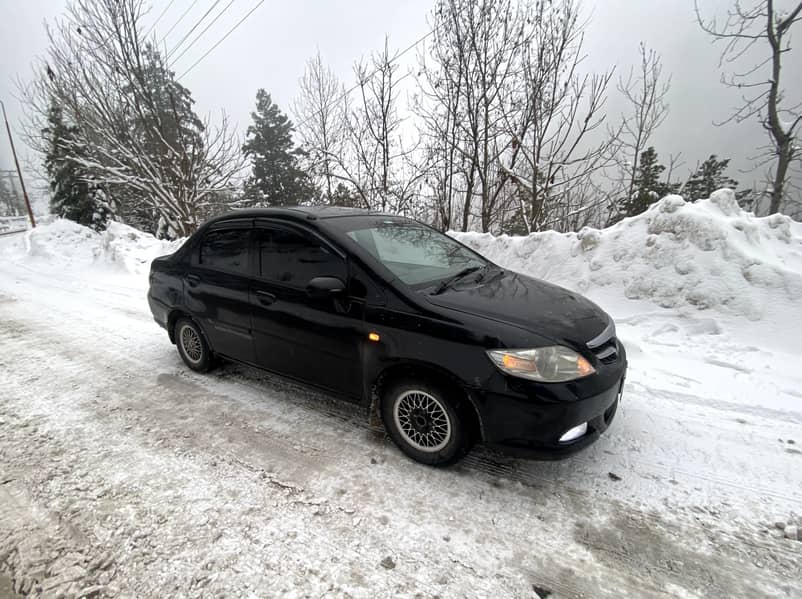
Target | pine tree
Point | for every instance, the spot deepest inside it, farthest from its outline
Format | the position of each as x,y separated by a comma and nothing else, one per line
516,224
171,117
708,178
648,186
73,194
277,180
344,196
168,130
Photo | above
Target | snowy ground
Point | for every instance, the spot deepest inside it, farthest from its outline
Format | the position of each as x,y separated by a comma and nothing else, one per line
124,473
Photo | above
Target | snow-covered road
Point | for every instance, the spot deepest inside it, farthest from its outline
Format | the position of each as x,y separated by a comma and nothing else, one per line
126,474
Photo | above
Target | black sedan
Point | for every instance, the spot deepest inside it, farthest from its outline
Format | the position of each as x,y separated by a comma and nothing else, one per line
446,346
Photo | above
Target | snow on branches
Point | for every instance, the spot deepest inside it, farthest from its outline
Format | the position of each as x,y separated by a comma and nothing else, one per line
134,128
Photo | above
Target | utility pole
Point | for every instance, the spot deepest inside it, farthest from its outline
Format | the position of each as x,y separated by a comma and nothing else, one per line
19,171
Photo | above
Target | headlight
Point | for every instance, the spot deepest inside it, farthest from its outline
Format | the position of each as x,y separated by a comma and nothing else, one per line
555,364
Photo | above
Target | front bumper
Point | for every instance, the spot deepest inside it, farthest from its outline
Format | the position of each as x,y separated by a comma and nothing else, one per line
527,423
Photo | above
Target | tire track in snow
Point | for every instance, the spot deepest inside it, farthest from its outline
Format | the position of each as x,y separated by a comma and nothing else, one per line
124,382
524,472
74,373
514,470
726,407
517,471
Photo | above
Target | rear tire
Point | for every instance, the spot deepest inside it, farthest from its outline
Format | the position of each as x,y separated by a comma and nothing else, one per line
192,346
425,422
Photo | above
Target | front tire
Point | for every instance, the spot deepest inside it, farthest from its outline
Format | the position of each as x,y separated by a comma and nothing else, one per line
425,422
192,346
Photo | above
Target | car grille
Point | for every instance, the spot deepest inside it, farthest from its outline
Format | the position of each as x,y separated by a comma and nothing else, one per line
605,345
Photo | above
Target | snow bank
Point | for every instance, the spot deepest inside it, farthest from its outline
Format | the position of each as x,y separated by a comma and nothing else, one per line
120,246
708,254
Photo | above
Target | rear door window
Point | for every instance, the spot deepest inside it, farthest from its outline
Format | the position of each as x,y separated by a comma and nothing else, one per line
226,250
292,258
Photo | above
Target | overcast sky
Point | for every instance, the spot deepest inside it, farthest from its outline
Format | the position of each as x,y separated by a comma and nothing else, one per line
270,48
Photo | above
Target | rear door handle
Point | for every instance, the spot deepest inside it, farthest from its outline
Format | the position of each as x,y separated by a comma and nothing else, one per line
193,280
265,297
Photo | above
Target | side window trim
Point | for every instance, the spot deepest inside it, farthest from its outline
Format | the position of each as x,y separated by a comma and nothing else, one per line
232,223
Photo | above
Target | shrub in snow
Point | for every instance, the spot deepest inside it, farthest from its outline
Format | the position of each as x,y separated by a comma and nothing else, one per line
701,255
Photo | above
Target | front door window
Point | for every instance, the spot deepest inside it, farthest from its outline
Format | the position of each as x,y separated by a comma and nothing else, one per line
291,259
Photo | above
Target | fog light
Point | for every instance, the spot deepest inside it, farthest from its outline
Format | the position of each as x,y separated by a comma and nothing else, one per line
574,433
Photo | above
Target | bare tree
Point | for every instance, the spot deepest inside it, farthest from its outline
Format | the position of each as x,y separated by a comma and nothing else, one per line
319,112
552,135
645,92
135,128
466,98
763,96
493,38
673,180
375,161
440,107
509,121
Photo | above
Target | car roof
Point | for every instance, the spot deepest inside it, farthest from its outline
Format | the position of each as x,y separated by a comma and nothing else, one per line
297,213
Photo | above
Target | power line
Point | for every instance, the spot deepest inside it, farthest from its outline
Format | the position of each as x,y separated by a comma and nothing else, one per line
194,27
152,27
205,29
230,31
181,18
159,18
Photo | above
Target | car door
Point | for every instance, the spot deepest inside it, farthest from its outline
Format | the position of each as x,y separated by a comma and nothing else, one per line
315,340
217,288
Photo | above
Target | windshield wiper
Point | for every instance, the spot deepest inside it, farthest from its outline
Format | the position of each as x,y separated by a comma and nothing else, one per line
446,283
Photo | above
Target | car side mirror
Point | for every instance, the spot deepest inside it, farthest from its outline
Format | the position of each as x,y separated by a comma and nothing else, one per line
321,287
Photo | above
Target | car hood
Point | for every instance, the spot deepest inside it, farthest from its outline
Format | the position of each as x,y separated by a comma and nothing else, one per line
542,308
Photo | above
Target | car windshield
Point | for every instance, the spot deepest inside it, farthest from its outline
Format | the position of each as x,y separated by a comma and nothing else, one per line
417,255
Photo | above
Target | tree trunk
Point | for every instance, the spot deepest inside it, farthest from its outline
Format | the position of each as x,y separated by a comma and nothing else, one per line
466,211
783,162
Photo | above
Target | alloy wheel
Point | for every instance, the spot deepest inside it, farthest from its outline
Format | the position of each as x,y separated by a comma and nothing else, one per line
422,421
191,344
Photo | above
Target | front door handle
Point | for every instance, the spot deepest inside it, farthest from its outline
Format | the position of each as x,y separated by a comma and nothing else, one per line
265,297
193,280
